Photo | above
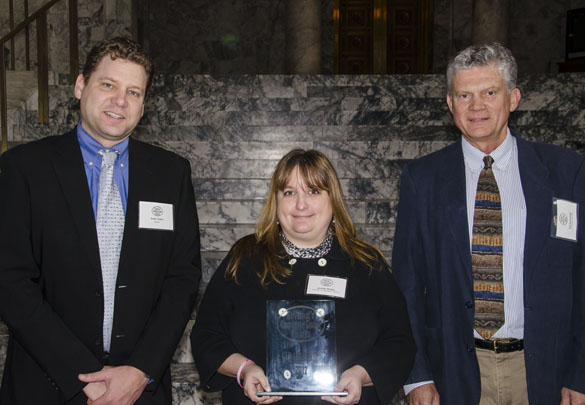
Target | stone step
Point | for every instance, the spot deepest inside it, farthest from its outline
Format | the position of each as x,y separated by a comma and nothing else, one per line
322,107
243,141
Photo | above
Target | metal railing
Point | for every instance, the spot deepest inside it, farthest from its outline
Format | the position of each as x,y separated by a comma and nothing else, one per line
39,17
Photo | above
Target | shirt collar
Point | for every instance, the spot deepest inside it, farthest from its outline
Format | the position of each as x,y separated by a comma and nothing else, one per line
90,147
474,157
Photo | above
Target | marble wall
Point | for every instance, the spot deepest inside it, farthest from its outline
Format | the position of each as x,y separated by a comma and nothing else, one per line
233,130
536,32
102,19
248,36
223,36
452,28
19,40
97,20
203,37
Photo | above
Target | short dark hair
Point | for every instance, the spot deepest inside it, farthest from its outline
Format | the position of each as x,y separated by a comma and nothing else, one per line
119,47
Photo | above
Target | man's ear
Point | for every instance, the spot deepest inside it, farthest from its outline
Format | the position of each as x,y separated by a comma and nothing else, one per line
515,97
450,102
79,86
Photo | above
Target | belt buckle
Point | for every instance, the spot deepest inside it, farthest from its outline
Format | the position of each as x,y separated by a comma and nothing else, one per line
498,340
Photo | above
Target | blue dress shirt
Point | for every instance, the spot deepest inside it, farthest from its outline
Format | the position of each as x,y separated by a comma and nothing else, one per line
92,161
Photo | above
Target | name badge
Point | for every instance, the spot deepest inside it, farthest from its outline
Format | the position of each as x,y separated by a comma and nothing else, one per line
327,286
154,215
564,224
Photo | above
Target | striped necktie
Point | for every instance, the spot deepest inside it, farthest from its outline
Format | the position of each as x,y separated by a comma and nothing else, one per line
486,254
110,230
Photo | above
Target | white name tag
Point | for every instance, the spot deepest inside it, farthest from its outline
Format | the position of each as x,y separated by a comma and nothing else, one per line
327,286
154,215
565,219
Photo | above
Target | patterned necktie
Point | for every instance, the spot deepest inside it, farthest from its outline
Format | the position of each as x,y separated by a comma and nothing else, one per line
110,229
486,254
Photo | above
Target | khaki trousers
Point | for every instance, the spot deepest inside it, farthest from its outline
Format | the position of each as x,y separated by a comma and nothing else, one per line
503,378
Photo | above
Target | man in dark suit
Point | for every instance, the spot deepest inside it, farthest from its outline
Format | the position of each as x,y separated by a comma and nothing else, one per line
99,248
489,253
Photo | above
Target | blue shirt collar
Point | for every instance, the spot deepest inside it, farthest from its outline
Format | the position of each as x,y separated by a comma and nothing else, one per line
90,147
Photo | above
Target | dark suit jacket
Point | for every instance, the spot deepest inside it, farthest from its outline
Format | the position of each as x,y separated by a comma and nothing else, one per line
50,274
432,264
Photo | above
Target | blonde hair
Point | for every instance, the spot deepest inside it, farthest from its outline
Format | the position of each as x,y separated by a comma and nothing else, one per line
318,173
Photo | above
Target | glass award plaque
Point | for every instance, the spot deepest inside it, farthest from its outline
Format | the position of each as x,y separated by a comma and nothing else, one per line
301,356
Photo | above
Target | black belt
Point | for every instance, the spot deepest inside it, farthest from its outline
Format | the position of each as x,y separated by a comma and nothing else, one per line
500,345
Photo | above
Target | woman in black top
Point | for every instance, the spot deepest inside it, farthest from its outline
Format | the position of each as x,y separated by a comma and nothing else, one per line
304,234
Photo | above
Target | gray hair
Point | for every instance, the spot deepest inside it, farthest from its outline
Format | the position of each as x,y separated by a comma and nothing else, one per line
484,55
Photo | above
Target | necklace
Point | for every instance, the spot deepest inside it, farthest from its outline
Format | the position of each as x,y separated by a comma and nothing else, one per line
307,253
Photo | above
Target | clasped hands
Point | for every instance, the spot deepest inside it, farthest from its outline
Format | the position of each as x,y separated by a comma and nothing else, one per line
120,385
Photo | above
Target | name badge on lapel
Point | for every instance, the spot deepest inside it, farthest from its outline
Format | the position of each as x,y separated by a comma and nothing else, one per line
564,221
327,286
155,215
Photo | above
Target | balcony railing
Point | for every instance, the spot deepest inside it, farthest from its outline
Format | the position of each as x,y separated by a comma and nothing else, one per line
40,19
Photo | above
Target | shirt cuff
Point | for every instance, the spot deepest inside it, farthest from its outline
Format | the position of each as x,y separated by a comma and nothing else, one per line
410,387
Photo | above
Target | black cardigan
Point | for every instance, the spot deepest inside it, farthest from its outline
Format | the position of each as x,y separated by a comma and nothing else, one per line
373,329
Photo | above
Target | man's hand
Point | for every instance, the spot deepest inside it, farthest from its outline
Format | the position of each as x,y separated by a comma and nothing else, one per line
570,397
123,385
424,395
95,390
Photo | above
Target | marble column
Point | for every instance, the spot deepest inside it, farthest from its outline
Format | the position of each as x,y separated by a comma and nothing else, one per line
491,21
303,36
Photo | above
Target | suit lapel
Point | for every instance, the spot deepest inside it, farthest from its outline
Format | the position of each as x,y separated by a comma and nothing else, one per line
69,168
139,171
454,202
538,195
